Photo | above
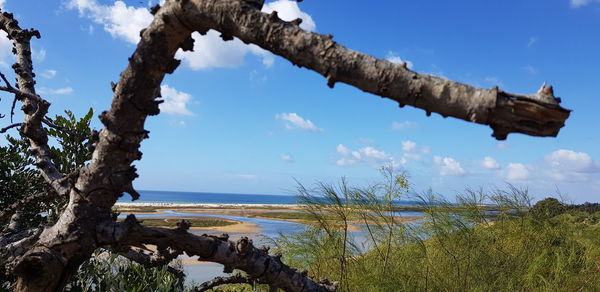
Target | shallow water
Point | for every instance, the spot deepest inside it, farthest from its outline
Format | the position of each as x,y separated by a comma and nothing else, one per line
270,229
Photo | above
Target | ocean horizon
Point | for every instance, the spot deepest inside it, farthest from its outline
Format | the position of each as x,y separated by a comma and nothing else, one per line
154,196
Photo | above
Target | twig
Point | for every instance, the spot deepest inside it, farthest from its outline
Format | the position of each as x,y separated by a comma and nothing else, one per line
17,92
3,130
12,108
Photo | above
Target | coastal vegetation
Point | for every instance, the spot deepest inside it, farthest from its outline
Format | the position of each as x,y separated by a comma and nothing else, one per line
550,246
60,181
194,221
481,241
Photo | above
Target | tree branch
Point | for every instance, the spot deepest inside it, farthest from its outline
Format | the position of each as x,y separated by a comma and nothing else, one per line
34,107
14,245
8,211
218,281
242,255
3,130
160,258
86,223
154,260
536,114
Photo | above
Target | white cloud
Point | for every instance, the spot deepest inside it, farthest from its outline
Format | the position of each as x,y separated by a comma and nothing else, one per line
490,163
120,20
448,166
59,91
341,149
374,154
532,41
517,172
399,126
579,3
175,101
210,51
294,121
286,158
6,55
367,155
412,151
288,10
49,74
568,165
2,4
392,57
408,146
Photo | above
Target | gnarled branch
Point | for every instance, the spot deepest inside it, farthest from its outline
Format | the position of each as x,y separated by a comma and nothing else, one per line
218,281
536,114
8,211
152,260
34,107
3,130
86,223
242,255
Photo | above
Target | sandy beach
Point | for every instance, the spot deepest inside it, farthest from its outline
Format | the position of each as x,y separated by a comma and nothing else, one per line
280,212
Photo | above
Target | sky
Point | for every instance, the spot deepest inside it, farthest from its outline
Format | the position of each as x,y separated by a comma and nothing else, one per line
239,119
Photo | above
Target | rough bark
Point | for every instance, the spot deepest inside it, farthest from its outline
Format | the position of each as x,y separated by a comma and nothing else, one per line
536,114
218,281
42,260
34,108
241,255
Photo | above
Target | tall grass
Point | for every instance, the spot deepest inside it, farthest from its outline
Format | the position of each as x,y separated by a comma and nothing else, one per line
459,246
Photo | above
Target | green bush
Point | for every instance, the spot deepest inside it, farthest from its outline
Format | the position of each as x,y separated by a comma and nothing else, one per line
454,248
547,208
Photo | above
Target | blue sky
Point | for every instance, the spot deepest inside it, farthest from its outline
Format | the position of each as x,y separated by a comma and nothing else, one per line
239,119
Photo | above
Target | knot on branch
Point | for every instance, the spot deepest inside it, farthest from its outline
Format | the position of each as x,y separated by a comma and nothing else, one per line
222,237
183,225
37,263
226,37
187,44
122,181
154,9
244,246
173,64
296,21
131,191
116,232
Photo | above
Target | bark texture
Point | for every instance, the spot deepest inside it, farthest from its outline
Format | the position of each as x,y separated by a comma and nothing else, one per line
536,114
43,259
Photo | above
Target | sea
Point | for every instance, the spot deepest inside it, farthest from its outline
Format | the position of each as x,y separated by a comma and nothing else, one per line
147,196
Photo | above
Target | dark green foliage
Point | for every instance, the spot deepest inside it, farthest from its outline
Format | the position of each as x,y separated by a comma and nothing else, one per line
586,207
74,140
19,179
547,208
108,272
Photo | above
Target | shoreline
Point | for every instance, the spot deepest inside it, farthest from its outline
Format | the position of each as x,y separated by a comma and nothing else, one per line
203,205
277,212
